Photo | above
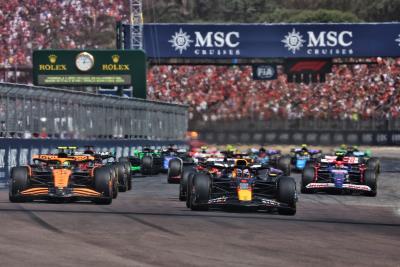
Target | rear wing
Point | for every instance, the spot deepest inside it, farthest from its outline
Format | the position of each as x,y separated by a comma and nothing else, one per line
78,158
345,160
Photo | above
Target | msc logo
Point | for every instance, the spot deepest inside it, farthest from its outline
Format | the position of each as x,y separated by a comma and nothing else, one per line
330,39
180,41
209,43
217,39
293,41
320,43
52,66
115,66
398,40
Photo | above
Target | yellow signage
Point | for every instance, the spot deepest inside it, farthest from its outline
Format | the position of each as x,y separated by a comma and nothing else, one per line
115,66
53,66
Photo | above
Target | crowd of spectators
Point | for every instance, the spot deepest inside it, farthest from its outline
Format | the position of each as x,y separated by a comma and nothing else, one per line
215,93
36,24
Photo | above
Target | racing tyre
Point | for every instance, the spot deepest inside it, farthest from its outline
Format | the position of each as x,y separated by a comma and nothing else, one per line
130,182
183,184
114,179
19,181
371,180
287,195
128,166
174,169
374,164
306,178
284,165
189,190
103,184
200,192
147,165
122,177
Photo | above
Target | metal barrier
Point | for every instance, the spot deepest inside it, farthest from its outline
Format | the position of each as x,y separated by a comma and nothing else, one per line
325,132
31,111
373,124
379,138
15,152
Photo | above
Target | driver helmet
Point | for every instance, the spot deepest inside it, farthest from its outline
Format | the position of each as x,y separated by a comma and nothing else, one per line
66,164
246,173
304,147
204,149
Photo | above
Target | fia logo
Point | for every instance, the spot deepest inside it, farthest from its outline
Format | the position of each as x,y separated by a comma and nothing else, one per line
265,72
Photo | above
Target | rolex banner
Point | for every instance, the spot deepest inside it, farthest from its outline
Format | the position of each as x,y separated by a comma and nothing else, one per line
270,40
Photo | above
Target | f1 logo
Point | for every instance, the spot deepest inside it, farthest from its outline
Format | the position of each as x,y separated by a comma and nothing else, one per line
308,66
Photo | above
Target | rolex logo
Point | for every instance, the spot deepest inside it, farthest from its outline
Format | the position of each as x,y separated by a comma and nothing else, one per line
116,66
53,59
115,59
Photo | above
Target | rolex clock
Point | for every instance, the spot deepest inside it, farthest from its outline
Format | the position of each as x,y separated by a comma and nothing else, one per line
84,61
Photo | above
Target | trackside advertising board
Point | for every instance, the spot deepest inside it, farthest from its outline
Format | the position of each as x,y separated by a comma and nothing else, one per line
270,40
91,68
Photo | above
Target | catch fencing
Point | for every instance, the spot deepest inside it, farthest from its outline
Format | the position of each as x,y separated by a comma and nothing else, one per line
31,111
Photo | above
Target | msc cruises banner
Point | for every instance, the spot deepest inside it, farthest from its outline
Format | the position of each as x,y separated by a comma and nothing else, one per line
270,40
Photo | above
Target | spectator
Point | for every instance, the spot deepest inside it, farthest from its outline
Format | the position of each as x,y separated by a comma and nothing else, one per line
224,93
38,24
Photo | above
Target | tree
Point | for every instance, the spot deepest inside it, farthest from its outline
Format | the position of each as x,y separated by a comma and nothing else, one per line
323,16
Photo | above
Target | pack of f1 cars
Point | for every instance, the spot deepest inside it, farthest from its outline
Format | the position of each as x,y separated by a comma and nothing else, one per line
338,173
303,155
62,177
241,185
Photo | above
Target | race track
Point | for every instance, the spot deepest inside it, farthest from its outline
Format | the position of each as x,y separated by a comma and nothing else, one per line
149,226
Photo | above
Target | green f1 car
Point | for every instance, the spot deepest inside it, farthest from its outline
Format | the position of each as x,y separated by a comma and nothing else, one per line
146,162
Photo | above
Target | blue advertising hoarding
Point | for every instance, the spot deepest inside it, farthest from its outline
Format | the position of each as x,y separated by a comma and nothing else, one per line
270,40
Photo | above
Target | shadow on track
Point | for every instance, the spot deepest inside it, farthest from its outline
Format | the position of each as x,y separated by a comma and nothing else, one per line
270,217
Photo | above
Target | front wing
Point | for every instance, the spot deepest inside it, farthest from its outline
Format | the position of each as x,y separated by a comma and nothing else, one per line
260,203
52,192
355,187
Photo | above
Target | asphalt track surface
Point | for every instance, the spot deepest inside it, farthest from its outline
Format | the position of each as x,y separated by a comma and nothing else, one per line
149,226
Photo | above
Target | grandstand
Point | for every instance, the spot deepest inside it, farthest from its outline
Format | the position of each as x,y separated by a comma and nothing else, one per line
213,93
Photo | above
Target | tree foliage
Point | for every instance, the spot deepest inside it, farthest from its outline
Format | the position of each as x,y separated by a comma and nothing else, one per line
271,10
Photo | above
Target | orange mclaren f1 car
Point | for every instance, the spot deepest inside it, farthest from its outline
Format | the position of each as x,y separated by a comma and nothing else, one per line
62,177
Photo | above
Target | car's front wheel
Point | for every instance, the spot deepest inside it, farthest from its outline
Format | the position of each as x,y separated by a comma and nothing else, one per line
19,181
103,184
200,192
371,180
307,177
287,195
